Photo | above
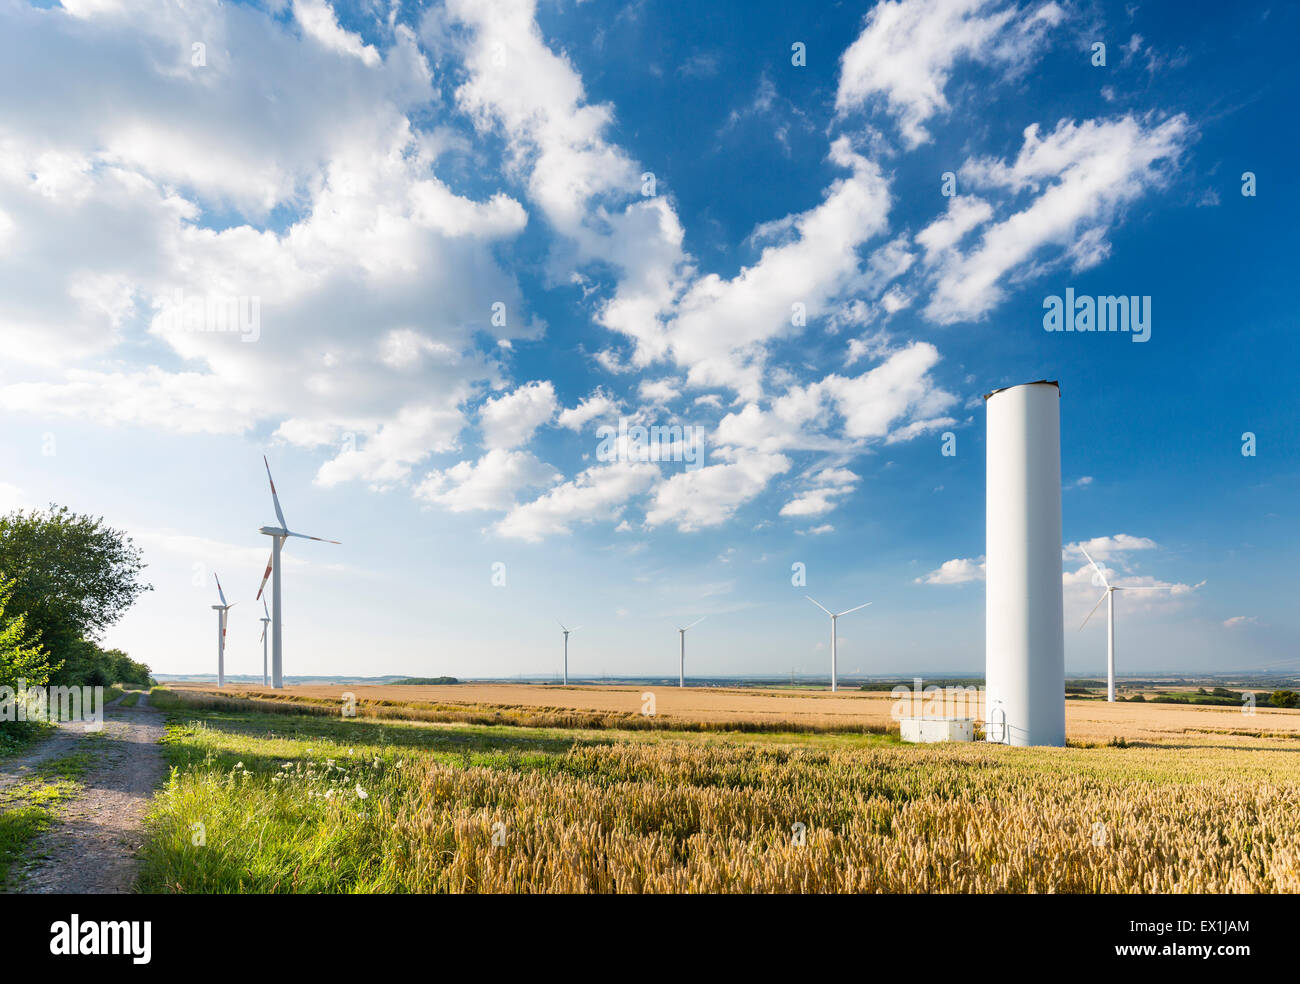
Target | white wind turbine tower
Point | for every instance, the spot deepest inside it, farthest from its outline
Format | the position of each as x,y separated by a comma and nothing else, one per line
566,649
278,535
221,610
265,620
834,617
1108,596
681,651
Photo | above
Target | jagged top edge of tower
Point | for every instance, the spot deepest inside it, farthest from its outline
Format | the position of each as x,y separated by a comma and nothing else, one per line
1036,382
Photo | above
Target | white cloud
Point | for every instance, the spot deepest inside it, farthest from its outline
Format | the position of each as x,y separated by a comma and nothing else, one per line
711,495
594,406
509,421
317,20
826,486
1239,620
398,444
959,570
111,188
965,212
892,401
1103,548
1082,174
907,50
659,391
719,330
598,494
492,482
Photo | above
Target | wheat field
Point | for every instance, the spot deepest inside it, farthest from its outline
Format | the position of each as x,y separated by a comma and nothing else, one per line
295,802
816,710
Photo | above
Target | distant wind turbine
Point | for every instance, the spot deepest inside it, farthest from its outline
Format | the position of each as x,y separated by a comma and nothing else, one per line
1108,596
566,649
681,651
278,535
834,618
221,610
265,620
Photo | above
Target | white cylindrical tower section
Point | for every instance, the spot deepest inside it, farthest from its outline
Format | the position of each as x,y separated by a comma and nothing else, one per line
1024,640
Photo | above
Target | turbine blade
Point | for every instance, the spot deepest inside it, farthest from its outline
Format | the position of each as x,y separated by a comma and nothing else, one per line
1095,607
263,635
852,610
219,591
269,561
265,610
696,622
820,605
304,536
1145,587
1100,573
279,513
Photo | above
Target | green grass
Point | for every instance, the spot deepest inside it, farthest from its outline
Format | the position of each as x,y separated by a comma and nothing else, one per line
131,699
28,808
18,736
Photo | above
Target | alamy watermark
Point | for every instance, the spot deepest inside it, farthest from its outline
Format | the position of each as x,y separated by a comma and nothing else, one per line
936,701
637,442
54,704
1107,312
240,314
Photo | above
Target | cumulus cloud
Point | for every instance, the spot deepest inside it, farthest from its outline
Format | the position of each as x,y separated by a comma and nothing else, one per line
491,483
510,420
711,495
959,570
1080,175
595,406
908,49
599,493
820,497
892,401
156,183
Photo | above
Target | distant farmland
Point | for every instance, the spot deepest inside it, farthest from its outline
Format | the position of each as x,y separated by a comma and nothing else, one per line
745,708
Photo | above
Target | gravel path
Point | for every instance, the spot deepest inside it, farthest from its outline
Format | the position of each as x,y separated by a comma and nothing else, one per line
91,847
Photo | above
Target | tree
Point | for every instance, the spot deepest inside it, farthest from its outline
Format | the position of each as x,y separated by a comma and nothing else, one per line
1284,698
21,658
73,576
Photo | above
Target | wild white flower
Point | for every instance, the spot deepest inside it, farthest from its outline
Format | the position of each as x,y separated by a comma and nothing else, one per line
361,793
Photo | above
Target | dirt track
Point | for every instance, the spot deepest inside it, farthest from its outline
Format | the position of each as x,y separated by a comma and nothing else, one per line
91,846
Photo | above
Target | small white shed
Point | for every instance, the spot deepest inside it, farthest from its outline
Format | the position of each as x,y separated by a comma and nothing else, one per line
937,729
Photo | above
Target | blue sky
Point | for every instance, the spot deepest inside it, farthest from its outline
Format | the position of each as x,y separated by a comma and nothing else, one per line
381,180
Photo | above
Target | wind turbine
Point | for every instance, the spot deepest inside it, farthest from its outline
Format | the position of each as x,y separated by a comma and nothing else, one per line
278,535
681,651
221,610
265,620
834,618
566,649
1108,596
